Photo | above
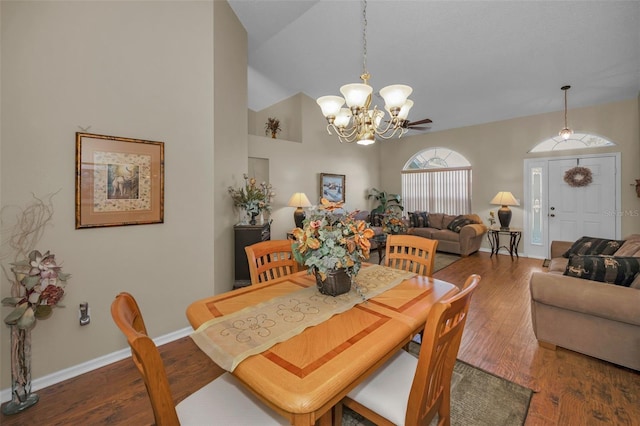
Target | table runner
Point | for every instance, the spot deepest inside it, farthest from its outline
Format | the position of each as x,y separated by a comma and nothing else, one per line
229,339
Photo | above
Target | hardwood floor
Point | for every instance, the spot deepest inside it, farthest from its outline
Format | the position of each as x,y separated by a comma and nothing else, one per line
570,388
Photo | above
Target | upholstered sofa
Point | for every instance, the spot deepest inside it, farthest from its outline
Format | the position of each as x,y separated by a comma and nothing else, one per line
595,318
455,234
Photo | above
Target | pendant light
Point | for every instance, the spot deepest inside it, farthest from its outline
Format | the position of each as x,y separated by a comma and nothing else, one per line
566,132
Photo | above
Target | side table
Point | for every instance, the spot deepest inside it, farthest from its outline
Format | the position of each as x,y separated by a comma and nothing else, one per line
380,244
515,234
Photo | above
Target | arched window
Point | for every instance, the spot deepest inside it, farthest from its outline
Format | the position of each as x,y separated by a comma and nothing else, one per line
576,141
437,180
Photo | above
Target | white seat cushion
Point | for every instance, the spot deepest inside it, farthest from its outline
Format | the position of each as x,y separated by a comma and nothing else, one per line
225,401
386,391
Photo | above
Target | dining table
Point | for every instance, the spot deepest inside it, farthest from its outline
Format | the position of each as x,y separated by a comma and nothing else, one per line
303,373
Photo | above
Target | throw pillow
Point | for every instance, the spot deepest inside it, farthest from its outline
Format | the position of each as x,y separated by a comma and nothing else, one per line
458,222
591,245
419,220
376,219
607,269
446,220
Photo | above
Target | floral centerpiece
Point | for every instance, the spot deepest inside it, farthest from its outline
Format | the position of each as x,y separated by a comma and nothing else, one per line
39,286
252,197
392,222
330,241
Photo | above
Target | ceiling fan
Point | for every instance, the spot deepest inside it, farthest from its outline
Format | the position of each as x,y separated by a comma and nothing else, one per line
415,125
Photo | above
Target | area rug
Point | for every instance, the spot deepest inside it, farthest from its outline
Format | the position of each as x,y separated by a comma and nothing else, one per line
478,398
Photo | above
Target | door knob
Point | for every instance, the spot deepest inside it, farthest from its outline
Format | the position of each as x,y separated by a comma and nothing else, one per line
552,215
553,208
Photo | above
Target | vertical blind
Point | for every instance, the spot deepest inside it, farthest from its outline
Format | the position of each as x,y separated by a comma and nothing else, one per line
437,190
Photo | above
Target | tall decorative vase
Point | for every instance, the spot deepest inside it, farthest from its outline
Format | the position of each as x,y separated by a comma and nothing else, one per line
21,396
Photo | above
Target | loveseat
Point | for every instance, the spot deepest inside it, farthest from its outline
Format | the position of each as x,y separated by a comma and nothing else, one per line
461,234
599,319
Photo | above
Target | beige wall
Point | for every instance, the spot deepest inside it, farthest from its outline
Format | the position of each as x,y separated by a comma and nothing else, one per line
288,111
497,150
296,167
135,69
231,151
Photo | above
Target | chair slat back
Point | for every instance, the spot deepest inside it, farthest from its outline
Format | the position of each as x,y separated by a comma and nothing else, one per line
411,253
430,391
126,314
271,259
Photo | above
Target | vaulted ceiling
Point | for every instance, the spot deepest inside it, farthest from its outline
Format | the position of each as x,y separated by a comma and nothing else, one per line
469,62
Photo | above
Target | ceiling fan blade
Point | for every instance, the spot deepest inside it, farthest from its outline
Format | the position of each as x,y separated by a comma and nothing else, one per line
423,121
419,128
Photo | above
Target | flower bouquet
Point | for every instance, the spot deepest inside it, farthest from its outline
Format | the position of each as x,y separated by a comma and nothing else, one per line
253,198
332,243
38,288
392,222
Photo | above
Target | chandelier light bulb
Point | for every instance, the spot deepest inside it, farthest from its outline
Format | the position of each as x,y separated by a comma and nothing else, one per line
330,105
395,96
356,94
404,111
343,117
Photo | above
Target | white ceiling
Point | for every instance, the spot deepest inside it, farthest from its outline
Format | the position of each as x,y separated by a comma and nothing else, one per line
469,62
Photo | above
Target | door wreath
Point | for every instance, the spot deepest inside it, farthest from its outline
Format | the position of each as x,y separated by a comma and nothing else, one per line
578,176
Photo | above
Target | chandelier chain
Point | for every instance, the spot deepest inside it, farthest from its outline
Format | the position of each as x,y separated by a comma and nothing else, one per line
364,37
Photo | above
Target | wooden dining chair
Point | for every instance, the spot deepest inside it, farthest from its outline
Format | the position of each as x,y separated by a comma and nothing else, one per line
411,253
271,259
411,391
222,401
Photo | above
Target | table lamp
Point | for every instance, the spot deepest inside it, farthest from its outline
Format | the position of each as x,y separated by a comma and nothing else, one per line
504,199
299,200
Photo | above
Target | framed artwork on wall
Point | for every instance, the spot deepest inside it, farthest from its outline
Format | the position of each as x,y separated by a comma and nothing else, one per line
119,181
332,187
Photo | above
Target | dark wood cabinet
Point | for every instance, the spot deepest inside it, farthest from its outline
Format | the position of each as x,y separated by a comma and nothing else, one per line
245,235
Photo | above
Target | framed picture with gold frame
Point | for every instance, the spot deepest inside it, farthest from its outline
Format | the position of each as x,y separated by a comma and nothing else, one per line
332,187
119,181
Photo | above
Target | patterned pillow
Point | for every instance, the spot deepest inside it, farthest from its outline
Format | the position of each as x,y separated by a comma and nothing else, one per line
458,222
607,269
590,245
419,220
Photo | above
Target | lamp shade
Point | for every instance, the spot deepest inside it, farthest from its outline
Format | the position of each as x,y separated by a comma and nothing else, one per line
299,199
395,95
504,199
356,94
330,105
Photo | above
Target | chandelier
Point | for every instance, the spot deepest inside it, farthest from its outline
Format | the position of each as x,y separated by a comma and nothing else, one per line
359,123
566,132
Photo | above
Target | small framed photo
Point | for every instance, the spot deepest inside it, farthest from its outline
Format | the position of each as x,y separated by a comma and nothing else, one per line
119,181
332,187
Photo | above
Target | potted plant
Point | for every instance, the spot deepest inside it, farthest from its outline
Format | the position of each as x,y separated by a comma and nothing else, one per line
253,198
272,126
333,246
387,202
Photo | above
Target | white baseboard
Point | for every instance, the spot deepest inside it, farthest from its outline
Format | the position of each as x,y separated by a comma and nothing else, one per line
94,364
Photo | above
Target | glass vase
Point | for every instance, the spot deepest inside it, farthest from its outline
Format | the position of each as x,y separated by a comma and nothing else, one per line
21,395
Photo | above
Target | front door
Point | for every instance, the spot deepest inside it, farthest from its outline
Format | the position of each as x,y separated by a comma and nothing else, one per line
554,210
576,211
